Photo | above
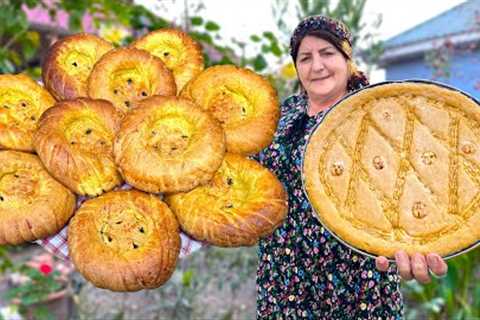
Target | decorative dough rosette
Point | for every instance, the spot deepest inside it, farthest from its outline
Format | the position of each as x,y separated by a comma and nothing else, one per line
127,75
181,54
69,62
74,141
245,104
242,203
33,205
22,102
124,241
167,144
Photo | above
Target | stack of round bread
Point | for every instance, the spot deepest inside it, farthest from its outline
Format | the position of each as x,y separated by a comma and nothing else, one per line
148,115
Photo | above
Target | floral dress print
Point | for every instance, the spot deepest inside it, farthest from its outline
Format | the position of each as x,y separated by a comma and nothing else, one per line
304,272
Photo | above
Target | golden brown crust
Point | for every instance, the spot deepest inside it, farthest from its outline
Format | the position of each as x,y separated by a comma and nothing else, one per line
33,205
69,62
181,54
245,104
75,142
167,144
242,203
126,75
124,241
22,102
395,167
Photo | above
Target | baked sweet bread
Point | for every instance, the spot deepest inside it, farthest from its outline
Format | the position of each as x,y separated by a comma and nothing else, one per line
75,142
33,205
168,144
69,62
126,75
124,241
181,54
242,203
245,104
397,166
22,102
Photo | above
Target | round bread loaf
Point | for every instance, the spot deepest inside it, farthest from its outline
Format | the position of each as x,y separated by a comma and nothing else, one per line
75,142
69,62
22,102
127,75
124,241
181,54
242,203
167,144
245,104
33,205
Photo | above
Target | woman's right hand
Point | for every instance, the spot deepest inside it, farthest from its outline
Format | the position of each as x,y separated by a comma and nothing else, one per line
415,267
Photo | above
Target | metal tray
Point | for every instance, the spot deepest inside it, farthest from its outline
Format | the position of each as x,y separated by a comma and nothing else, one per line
360,251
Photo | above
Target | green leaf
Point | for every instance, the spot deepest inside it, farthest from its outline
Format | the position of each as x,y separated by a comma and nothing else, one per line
75,20
451,279
255,38
269,35
276,49
33,298
30,44
196,21
225,60
159,24
476,300
34,72
203,37
5,261
207,60
265,48
212,26
42,313
187,278
31,3
259,63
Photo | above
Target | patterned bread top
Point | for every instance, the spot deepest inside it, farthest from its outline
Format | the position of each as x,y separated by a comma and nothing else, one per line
69,62
33,205
168,144
75,142
243,202
242,101
397,166
181,54
22,102
126,75
124,241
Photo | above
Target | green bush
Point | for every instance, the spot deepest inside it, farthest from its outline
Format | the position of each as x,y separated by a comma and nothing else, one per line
456,296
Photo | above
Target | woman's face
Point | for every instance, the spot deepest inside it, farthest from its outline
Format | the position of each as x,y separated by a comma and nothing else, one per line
322,69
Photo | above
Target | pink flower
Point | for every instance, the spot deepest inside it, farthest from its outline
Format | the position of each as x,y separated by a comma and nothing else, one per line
45,269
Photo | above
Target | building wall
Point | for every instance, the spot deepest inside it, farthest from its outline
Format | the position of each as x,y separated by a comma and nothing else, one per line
464,72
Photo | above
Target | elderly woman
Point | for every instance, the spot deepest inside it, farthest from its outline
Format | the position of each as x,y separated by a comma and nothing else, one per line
304,272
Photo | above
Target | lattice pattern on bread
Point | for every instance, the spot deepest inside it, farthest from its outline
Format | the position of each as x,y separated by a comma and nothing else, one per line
397,166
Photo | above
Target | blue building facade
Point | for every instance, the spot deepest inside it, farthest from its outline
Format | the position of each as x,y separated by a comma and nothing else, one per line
445,48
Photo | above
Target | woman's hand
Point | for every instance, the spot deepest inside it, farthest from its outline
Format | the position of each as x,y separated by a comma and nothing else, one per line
416,267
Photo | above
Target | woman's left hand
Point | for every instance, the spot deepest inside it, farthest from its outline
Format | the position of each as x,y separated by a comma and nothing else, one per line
415,267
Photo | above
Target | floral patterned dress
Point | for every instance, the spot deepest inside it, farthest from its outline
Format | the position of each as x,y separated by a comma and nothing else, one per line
304,272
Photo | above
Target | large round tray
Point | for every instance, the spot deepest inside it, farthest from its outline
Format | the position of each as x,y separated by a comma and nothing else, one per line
319,125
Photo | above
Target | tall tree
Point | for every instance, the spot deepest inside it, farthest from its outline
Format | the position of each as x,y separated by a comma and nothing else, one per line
348,11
